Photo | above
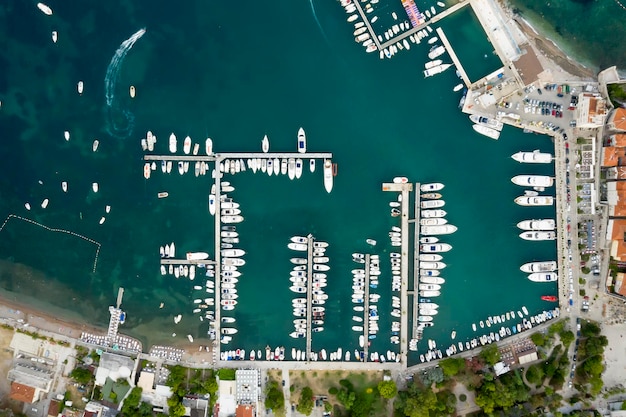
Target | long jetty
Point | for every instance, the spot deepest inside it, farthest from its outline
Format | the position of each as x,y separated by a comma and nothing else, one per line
172,261
218,157
416,261
404,188
455,59
309,295
416,29
368,25
366,309
217,324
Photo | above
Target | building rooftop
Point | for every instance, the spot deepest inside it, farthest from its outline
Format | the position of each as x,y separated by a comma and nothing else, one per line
245,411
53,409
528,65
247,381
619,119
23,393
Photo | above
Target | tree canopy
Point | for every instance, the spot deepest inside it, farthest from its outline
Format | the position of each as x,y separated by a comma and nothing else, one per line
387,389
502,393
81,375
421,401
305,403
490,354
452,366
274,397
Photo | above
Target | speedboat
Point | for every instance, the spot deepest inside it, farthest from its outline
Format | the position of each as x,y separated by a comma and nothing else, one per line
187,145
430,257
45,9
431,204
283,166
434,221
312,165
433,213
208,146
301,141
265,144
94,146
80,86
541,224
212,204
534,157
431,64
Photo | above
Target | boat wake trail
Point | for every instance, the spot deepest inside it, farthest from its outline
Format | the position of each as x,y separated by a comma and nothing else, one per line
317,21
119,122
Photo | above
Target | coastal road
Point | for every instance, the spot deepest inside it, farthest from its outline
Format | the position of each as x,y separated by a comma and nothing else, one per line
286,392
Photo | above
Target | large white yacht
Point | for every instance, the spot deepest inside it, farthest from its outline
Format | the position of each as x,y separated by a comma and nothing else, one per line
434,186
492,123
173,143
540,200
533,180
486,131
534,157
541,224
545,266
328,175
436,70
435,248
538,235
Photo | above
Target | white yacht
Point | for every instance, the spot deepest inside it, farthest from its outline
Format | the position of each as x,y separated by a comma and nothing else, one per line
543,276
534,157
45,9
436,70
432,265
298,168
80,87
541,224
533,180
431,64
486,131
534,201
436,51
438,230
545,266
291,168
431,187
435,248
430,257
433,213
431,204
94,187
486,121
208,146
64,186
535,235
173,143
312,165
265,144
302,138
328,175
433,221
187,145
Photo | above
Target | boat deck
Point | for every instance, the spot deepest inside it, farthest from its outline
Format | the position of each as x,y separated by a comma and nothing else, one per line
405,189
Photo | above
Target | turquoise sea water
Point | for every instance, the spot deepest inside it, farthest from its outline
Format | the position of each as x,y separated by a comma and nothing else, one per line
208,70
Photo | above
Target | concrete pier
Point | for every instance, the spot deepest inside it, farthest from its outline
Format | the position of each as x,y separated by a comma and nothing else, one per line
455,59
366,309
218,157
120,295
172,261
405,189
433,20
370,30
416,262
309,295
218,265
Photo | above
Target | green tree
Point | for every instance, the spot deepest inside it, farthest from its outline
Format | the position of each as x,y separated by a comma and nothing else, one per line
387,389
81,375
346,398
490,354
305,403
538,339
177,410
131,402
226,374
452,366
274,398
534,374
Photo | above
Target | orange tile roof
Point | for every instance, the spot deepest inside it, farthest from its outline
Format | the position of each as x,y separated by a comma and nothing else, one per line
244,411
23,393
619,235
619,139
620,119
611,156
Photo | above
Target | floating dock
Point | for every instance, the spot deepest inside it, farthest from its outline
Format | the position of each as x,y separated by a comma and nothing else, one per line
455,59
405,189
218,157
370,30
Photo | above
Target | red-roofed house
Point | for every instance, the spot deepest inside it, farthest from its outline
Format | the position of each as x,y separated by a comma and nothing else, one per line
618,119
53,410
245,410
23,393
